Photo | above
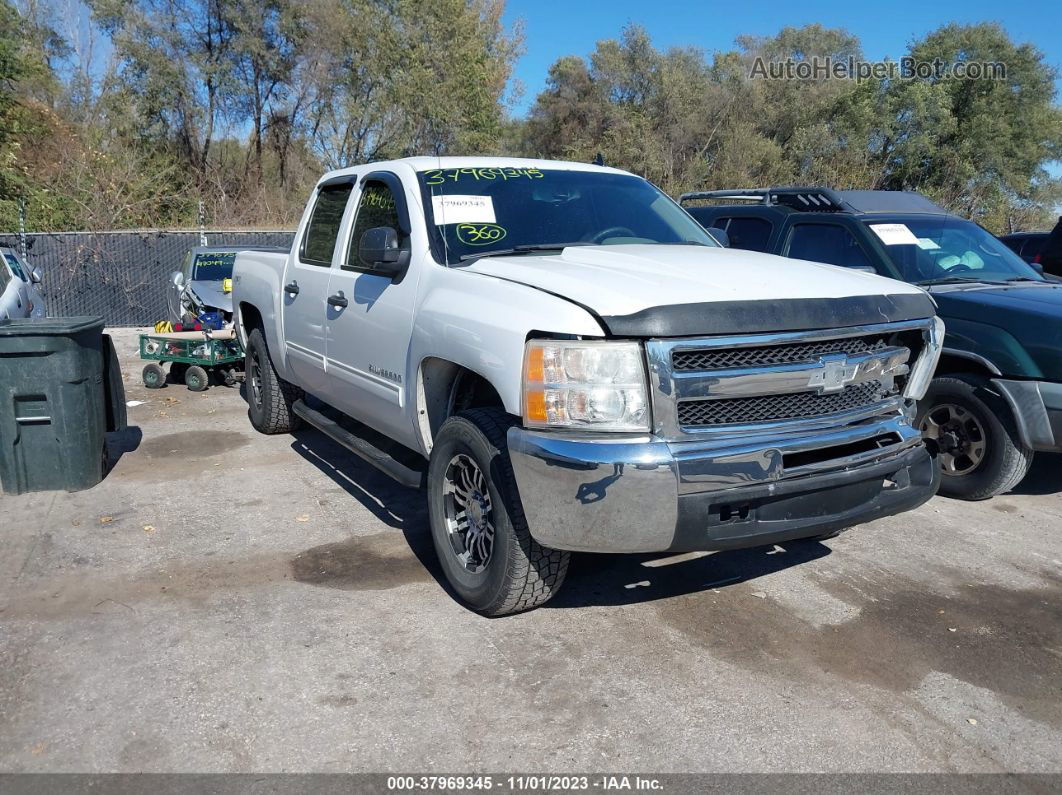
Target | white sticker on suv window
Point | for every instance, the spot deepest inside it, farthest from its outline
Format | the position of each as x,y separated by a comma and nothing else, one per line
927,243
895,234
457,209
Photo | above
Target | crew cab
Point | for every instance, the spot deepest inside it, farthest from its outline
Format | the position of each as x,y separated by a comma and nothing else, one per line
997,395
567,361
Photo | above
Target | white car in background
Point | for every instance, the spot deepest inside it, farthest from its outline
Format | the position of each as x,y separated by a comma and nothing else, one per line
20,294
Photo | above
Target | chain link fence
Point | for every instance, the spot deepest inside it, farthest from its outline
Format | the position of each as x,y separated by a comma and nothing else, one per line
119,276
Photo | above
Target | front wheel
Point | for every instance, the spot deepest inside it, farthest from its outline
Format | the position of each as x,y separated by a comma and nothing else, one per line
978,446
477,522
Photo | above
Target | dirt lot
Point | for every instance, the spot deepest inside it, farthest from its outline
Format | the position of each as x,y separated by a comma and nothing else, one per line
226,601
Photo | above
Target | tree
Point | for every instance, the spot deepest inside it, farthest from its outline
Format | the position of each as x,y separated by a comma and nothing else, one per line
399,77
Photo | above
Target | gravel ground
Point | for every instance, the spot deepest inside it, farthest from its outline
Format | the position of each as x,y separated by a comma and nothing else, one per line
226,601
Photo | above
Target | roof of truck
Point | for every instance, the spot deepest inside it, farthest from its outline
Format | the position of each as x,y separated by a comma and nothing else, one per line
426,163
813,199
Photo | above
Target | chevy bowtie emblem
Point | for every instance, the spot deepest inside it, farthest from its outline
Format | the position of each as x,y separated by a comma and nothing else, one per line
834,375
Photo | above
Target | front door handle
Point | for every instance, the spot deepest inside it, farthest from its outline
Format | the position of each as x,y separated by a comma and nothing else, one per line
338,300
292,287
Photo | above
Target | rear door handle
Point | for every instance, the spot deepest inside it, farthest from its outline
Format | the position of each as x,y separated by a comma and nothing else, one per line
337,300
292,287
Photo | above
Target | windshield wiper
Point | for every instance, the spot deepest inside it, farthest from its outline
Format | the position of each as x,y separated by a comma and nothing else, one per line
1026,279
526,249
957,280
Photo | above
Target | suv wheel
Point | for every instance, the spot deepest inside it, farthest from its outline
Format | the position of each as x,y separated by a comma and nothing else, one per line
477,522
979,450
269,397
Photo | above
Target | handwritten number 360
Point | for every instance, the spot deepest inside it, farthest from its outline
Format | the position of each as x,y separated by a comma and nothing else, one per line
479,234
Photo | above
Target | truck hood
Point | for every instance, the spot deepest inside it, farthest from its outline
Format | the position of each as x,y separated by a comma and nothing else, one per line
655,290
211,296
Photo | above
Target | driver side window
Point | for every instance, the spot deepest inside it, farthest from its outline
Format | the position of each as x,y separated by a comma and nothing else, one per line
376,207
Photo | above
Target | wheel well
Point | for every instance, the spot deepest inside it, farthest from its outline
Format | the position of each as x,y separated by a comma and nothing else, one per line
445,388
250,317
956,364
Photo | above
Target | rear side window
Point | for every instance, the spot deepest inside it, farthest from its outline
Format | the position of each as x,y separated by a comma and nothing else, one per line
376,207
5,277
752,234
827,243
319,241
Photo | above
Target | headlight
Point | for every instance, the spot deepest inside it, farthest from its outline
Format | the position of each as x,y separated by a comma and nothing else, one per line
596,385
926,365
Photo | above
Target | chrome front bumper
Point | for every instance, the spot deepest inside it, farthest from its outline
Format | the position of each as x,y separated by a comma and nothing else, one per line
641,494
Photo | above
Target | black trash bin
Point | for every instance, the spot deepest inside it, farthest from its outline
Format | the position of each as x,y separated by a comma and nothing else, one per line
60,392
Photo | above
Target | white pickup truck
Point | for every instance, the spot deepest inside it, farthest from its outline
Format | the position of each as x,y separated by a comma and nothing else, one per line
567,361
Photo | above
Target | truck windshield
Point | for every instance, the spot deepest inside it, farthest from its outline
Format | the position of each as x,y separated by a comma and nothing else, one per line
476,211
213,266
940,249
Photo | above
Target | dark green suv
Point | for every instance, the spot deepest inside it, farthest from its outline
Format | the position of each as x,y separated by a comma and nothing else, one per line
997,395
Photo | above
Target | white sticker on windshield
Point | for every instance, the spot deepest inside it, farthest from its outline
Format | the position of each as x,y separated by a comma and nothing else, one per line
927,243
895,234
462,209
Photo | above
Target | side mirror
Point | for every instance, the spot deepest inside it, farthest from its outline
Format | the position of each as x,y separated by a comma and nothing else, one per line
379,247
36,276
720,235
1036,266
177,278
863,269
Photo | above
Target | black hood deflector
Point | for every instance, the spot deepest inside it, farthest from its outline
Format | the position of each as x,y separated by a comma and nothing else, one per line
762,317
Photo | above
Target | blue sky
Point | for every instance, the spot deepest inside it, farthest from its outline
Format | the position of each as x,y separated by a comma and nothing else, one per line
553,28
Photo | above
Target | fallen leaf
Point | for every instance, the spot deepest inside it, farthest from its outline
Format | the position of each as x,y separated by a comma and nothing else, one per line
106,519
303,518
972,721
759,594
953,629
149,529
38,749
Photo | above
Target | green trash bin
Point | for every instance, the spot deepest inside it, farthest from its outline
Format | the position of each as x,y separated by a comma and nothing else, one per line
58,398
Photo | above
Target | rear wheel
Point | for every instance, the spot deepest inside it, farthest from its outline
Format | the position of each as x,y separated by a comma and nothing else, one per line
979,450
477,522
269,397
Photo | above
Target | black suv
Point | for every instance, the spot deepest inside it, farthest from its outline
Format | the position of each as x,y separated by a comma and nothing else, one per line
997,396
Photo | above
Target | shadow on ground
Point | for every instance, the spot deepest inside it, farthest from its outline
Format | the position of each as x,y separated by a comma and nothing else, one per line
630,579
1045,477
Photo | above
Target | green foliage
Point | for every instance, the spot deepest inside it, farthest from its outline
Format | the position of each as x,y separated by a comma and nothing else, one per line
977,146
241,104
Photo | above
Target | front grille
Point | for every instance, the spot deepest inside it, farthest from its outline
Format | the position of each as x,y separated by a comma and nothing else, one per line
767,408
768,355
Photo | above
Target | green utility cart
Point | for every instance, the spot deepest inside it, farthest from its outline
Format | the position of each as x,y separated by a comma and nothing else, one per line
193,356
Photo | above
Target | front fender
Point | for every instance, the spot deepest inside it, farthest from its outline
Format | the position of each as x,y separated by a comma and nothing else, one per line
481,323
993,343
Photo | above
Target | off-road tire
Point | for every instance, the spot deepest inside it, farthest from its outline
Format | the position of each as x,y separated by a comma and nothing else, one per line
1006,460
270,412
521,574
196,378
154,376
